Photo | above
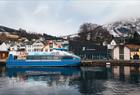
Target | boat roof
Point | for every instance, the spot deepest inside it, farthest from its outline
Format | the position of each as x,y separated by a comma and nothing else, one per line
39,53
54,52
62,49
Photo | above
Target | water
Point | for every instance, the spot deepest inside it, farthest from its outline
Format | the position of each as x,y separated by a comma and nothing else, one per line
117,80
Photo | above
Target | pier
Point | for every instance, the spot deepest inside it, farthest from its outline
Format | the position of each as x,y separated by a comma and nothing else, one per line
110,62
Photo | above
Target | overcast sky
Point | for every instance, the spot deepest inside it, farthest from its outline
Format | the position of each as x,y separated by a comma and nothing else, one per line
63,17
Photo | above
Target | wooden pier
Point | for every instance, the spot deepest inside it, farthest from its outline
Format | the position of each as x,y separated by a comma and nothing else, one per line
110,62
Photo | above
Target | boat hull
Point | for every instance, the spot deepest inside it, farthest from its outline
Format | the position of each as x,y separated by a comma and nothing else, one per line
52,63
11,62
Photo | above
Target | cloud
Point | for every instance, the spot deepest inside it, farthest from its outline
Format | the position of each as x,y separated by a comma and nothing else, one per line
41,9
125,9
104,11
64,17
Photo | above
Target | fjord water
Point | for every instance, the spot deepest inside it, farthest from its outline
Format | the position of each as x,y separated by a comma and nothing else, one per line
118,80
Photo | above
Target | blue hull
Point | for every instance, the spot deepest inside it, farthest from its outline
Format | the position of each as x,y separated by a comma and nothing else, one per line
11,62
55,63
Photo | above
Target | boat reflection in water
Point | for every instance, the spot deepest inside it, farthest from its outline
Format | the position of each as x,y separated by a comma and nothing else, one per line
114,80
42,80
43,71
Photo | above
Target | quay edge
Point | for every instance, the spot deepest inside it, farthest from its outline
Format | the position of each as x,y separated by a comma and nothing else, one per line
111,62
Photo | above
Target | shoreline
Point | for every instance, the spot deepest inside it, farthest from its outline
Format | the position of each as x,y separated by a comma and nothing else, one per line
110,62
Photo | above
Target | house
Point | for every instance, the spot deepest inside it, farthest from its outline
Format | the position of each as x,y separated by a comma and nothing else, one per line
28,46
110,47
4,51
46,47
4,47
36,46
13,46
55,44
112,44
121,52
134,49
51,44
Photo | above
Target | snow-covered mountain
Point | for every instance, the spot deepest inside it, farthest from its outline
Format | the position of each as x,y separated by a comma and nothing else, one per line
128,30
124,28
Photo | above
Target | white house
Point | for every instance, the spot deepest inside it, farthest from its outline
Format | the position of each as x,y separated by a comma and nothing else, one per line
4,47
51,45
4,51
14,46
29,47
56,44
36,46
121,52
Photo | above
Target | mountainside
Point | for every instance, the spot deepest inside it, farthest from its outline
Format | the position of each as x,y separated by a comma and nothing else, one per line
13,34
128,30
93,33
124,28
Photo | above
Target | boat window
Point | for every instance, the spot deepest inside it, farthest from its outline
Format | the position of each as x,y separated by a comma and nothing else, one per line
67,57
38,57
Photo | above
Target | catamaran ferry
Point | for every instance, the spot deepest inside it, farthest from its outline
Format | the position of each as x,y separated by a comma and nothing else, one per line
53,58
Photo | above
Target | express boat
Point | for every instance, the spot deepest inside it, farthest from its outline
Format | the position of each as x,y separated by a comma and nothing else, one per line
53,58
